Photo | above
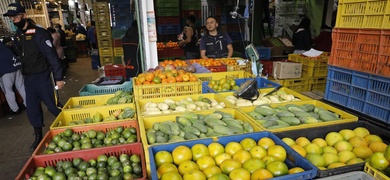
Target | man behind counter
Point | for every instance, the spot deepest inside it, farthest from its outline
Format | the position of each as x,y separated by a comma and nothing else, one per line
215,44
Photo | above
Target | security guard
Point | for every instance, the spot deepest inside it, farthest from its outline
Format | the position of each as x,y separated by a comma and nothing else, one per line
40,64
215,44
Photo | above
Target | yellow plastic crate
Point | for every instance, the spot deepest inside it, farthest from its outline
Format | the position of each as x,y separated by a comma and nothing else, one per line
166,90
147,122
65,117
312,67
317,84
220,75
298,85
345,117
363,14
375,173
87,102
105,51
118,51
141,103
267,90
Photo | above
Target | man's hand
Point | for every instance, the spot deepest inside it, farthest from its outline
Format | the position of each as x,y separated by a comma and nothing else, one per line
60,84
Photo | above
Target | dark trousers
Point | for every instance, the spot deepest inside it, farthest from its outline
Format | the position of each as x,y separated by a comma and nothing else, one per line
40,88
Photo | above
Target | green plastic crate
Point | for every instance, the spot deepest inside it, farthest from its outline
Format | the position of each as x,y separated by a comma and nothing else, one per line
168,11
92,89
191,5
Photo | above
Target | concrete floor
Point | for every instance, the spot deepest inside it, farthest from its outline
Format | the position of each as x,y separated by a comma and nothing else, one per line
16,133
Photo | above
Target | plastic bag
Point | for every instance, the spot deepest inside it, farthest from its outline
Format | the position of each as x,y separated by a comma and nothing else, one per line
248,90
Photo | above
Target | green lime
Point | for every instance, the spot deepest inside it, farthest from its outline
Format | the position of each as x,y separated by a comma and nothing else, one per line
123,157
116,165
67,146
57,138
66,164
135,158
50,170
85,140
111,160
93,162
132,139
77,161
114,172
107,140
91,170
102,176
119,129
115,135
61,142
97,142
92,176
76,148
76,143
68,133
128,176
101,164
102,158
92,134
126,133
47,151
81,173
58,149
122,140
52,145
59,176
87,145
100,135
115,141
83,166
76,137
127,169
137,169
133,130
70,170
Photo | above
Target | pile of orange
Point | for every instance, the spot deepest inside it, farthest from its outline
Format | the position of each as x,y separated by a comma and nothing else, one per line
206,62
159,77
228,61
176,63
247,159
161,45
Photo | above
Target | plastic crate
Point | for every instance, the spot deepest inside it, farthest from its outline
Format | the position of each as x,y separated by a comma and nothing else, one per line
167,3
103,51
220,75
118,51
176,52
345,117
355,175
163,53
168,29
366,54
191,5
362,14
117,43
166,90
118,60
80,130
299,85
221,68
168,20
375,173
343,46
62,120
91,89
295,161
196,13
383,67
168,11
320,132
317,84
261,83
51,160
87,101
311,67
264,52
115,70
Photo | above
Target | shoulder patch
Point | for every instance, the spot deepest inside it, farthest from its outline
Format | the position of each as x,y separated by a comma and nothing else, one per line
48,42
30,31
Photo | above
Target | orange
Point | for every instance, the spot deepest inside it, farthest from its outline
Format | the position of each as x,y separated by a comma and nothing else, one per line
372,138
302,141
162,75
215,149
343,146
199,150
187,166
321,142
186,77
277,168
358,141
362,152
361,131
336,165
180,154
253,164
299,149
232,147
316,159
333,137
269,159
378,161
194,174
295,170
258,152
354,161
345,156
330,158
166,167
289,141
211,170
205,162
240,174
171,176
378,147
193,79
149,77
141,79
313,148
242,156
221,157
171,79
162,157
219,176
261,174
278,152
179,79
229,165
347,134
248,143
265,142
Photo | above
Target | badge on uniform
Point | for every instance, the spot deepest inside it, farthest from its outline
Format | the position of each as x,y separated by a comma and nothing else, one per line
30,31
48,42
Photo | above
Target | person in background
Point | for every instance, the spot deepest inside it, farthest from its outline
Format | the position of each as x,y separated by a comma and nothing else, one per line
302,37
203,32
40,67
81,29
11,75
56,42
215,44
91,36
65,62
323,42
190,39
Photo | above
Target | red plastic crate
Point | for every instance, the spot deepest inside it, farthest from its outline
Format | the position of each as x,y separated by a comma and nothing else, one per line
115,70
117,43
221,68
176,52
163,53
168,20
52,159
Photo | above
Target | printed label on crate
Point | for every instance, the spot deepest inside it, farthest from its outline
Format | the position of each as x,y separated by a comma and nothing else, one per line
151,20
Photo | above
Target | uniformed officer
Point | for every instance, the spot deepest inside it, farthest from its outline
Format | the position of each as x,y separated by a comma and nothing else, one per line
215,44
40,64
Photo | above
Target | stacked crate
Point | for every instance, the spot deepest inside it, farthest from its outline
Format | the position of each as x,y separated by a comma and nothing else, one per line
167,19
359,66
120,14
191,7
103,31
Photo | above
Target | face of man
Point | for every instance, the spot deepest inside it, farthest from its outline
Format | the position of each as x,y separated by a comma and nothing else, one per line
211,24
17,18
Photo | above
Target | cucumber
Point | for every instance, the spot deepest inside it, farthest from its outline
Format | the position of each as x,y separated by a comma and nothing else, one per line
213,122
165,128
276,127
189,136
151,136
174,127
183,121
247,127
255,115
200,126
190,116
284,114
264,110
292,121
214,116
236,130
190,129
280,122
269,123
161,139
222,130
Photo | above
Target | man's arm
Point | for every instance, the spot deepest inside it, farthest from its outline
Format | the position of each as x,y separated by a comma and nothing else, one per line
189,32
202,48
230,50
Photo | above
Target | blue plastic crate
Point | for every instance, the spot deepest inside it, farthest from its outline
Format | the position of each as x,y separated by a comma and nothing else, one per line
340,74
339,87
360,79
379,84
356,104
264,52
168,29
261,83
358,93
92,89
378,98
336,97
376,111
295,161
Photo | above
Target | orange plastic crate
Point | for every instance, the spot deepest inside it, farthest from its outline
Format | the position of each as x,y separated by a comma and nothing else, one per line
366,53
52,159
344,41
383,66
81,129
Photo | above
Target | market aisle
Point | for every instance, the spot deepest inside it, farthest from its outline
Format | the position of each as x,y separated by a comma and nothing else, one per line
16,134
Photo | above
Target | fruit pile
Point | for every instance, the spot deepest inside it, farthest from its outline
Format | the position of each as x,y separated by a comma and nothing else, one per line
168,44
121,97
119,114
228,61
206,62
223,85
290,115
184,105
193,126
247,159
104,167
165,77
277,97
343,148
70,141
175,63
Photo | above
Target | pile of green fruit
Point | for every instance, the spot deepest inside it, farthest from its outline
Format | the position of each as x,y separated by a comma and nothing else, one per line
68,140
223,85
126,167
291,115
126,113
194,126
120,97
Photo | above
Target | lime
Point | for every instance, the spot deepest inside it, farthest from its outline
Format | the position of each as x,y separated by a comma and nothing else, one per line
115,141
85,140
101,164
66,164
52,146
116,165
115,135
61,142
83,166
122,140
123,157
81,174
119,129
135,158
115,172
77,161
39,172
102,176
75,148
102,158
107,140
86,145
58,149
126,162
133,130
50,170
92,176
97,142
100,135
92,162
59,176
47,151
70,170
137,169
56,138
111,160
127,169
67,146
68,133
132,139
91,170
126,133
76,143
92,134
128,176
76,137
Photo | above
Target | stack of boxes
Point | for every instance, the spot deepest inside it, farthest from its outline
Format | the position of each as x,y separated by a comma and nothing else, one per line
168,17
359,67
103,31
191,7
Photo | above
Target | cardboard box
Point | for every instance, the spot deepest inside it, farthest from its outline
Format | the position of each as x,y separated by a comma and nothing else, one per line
287,70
